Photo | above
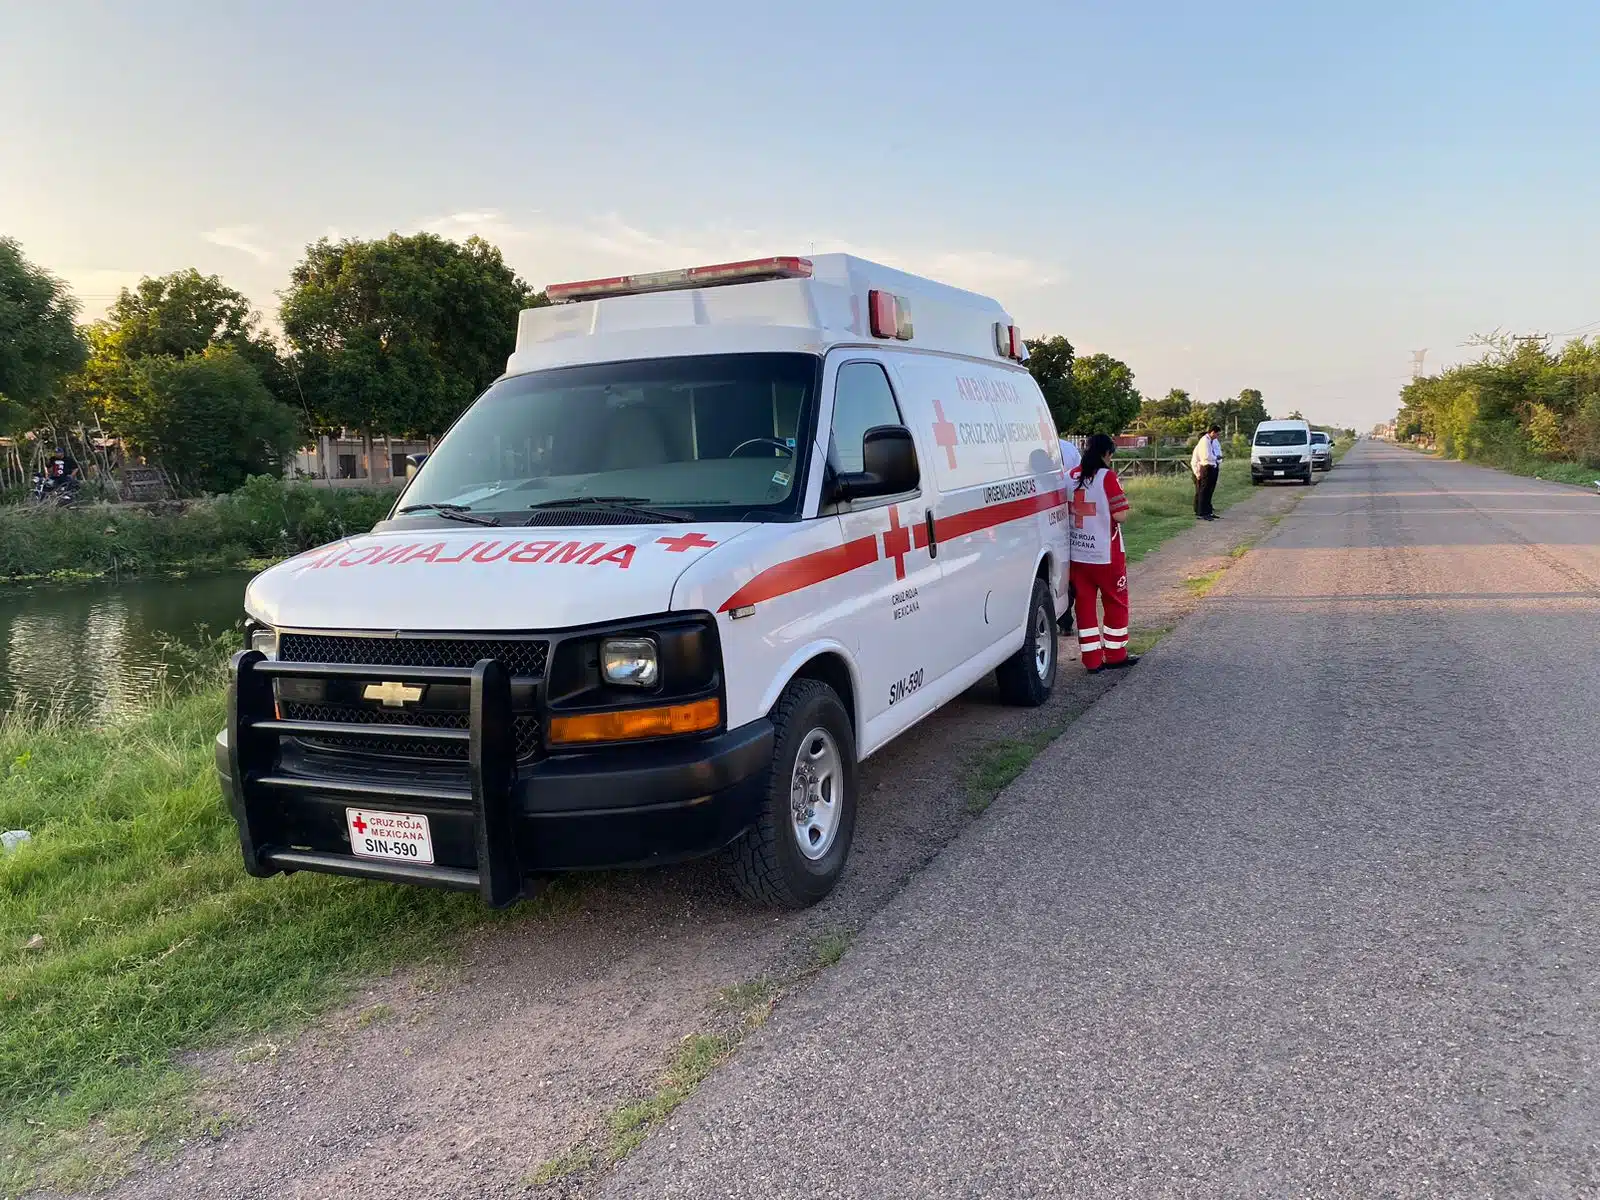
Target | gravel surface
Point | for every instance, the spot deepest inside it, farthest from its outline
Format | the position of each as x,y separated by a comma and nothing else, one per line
461,1080
1310,906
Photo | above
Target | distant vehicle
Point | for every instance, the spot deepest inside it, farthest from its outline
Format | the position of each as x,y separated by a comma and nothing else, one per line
1281,450
1321,450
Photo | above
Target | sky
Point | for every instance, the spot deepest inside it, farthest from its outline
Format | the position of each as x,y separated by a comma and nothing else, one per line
1223,195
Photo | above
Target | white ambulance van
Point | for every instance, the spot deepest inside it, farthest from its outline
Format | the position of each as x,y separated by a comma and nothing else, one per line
714,537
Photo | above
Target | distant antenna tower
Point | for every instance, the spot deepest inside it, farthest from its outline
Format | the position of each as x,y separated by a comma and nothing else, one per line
1416,362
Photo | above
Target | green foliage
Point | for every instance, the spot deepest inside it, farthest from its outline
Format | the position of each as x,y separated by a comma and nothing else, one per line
207,418
1520,404
1050,363
265,519
1107,400
39,339
177,316
398,335
151,938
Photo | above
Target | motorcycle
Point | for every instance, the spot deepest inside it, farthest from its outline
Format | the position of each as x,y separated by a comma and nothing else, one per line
57,492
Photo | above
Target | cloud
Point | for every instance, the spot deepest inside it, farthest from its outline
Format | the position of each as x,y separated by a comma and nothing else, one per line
243,238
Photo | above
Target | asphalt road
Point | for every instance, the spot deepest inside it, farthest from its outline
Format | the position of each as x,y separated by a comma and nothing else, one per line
1309,906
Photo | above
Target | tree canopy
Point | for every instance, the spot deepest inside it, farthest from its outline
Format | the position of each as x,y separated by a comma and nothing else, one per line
1050,363
1106,398
398,335
1520,398
207,417
39,338
174,316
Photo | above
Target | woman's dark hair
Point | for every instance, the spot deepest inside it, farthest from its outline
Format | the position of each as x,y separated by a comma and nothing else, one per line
1094,457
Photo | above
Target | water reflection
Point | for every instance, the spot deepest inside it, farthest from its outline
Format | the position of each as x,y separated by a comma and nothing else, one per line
96,651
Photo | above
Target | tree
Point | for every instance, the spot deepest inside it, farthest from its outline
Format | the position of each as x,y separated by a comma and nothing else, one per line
175,316
207,417
1050,363
1106,398
1171,416
39,339
398,335
1251,410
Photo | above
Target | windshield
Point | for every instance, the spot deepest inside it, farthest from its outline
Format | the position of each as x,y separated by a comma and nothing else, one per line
712,437
1319,439
1280,437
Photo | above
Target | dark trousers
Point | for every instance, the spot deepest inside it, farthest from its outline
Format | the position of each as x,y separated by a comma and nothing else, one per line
1205,486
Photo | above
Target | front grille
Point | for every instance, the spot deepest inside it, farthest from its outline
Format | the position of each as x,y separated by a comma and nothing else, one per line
525,730
519,656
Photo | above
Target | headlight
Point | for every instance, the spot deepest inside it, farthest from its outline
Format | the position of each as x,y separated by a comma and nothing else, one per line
265,639
630,662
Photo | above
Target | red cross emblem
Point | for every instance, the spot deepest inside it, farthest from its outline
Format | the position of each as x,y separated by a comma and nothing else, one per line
689,541
944,433
897,542
359,824
1081,506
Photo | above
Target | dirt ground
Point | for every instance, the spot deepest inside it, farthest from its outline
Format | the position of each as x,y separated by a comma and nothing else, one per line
462,1080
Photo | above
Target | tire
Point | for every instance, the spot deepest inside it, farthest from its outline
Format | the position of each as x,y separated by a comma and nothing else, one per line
766,864
1027,677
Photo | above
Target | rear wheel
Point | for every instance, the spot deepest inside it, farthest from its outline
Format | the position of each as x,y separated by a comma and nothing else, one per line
795,852
1027,677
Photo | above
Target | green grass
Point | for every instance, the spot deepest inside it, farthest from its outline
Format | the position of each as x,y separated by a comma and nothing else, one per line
993,767
1163,506
152,940
830,946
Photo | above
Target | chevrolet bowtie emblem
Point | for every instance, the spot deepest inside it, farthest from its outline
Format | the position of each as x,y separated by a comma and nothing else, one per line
392,694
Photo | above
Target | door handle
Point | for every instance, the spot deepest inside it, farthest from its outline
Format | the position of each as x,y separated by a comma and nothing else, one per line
933,540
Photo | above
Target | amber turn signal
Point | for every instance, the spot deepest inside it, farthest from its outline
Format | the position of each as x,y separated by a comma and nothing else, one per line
631,723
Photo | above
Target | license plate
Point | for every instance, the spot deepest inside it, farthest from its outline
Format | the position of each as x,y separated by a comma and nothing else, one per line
1277,472
402,836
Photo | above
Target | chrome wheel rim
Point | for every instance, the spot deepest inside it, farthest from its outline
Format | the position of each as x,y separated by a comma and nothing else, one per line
1043,643
816,793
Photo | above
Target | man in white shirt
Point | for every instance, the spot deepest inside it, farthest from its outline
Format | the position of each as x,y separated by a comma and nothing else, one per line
1206,463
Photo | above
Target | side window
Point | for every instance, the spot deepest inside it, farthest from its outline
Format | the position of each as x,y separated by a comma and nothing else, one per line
862,398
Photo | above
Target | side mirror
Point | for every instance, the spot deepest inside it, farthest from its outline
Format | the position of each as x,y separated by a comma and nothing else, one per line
889,465
414,464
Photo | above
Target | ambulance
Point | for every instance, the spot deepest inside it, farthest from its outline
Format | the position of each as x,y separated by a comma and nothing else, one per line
716,536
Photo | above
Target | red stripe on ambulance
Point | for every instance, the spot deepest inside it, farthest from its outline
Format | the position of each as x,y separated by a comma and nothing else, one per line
823,565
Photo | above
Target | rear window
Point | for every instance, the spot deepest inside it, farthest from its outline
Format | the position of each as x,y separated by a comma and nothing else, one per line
1280,437
1319,439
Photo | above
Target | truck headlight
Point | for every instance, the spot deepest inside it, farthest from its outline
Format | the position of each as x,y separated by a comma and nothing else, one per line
630,662
265,639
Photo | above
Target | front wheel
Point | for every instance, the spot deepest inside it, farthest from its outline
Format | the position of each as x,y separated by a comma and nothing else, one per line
796,850
1027,677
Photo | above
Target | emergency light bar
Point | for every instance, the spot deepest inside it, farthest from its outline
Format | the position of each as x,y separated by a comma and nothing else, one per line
1008,341
752,270
890,318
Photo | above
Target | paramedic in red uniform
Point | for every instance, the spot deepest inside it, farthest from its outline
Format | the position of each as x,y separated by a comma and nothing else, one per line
1099,567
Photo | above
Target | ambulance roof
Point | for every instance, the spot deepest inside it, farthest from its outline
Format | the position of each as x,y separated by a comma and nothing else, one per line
808,305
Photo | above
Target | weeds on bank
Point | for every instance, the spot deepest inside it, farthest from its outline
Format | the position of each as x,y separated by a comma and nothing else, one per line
1163,505
996,765
130,933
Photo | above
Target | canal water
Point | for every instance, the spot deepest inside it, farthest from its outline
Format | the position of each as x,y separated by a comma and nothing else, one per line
100,650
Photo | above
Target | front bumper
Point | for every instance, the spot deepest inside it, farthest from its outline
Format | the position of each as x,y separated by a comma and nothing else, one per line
1271,471
493,822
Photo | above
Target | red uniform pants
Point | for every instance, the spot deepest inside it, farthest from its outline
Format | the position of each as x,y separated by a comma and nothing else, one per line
1101,641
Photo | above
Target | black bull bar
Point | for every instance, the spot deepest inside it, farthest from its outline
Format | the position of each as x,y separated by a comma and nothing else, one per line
258,783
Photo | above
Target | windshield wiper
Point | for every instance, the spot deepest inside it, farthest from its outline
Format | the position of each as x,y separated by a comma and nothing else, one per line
454,512
631,504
